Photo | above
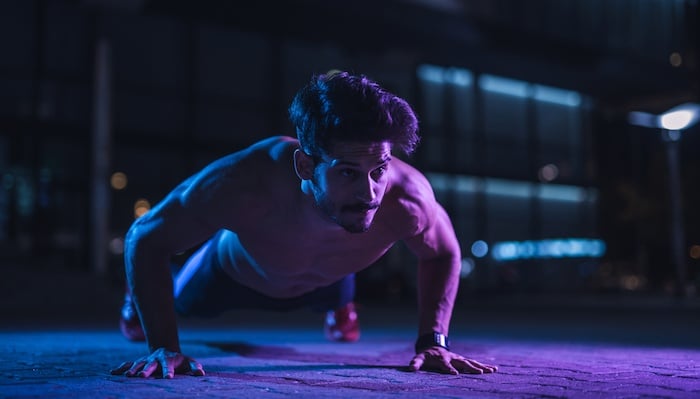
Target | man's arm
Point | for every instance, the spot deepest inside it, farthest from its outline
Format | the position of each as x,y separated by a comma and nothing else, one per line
217,197
152,240
439,264
173,225
190,214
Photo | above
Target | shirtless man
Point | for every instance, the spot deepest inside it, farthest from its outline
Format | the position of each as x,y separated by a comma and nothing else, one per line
288,222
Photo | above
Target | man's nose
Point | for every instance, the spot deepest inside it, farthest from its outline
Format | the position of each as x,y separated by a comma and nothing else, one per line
366,190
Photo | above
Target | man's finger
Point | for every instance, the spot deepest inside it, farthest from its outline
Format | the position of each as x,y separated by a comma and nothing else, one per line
121,369
416,363
167,369
135,367
484,367
148,369
466,365
447,367
470,369
196,369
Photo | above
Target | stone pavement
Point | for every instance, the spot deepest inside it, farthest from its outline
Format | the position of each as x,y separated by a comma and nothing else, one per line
588,352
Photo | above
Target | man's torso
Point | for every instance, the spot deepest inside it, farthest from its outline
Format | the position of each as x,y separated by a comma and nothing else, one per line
280,251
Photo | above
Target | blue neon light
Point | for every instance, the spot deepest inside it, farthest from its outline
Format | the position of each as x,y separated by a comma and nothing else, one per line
455,76
553,248
510,87
557,96
497,84
431,73
511,188
459,77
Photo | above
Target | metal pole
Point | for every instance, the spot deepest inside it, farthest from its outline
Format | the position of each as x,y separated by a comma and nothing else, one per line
101,134
671,139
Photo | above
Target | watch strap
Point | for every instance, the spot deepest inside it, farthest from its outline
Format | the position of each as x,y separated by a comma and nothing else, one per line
429,340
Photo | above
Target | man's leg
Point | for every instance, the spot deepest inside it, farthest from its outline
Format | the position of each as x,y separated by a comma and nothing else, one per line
202,289
334,296
129,321
198,289
341,323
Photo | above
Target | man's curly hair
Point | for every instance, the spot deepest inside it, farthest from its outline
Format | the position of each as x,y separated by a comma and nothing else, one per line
340,107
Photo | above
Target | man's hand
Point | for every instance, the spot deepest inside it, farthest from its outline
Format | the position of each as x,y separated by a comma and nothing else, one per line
443,361
162,363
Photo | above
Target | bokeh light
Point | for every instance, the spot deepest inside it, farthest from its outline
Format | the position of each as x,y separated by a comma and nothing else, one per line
118,181
467,267
116,246
631,282
141,207
675,59
548,173
695,252
480,248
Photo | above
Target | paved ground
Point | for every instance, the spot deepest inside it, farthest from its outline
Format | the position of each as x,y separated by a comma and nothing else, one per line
548,354
63,347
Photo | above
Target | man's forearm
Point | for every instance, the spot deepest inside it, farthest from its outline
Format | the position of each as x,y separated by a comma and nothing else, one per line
152,290
438,282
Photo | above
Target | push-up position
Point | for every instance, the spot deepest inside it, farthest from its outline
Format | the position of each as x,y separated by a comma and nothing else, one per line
285,223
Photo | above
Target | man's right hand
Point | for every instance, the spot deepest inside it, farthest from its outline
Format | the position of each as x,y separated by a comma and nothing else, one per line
161,362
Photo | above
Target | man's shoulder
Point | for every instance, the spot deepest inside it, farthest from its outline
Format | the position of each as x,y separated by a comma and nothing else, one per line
410,183
262,153
274,146
411,198
247,171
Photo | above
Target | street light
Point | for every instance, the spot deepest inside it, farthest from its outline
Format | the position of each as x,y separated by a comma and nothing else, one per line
672,123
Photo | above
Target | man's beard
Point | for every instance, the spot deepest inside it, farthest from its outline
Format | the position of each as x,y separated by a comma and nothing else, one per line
329,208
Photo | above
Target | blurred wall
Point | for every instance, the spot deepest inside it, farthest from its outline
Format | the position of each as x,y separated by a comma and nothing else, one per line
512,147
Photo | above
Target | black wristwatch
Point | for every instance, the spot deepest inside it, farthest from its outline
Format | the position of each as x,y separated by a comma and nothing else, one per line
426,341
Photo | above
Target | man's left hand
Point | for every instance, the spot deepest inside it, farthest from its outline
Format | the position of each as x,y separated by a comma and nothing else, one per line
443,361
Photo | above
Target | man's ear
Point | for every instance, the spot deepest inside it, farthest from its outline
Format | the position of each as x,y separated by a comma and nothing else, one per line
303,165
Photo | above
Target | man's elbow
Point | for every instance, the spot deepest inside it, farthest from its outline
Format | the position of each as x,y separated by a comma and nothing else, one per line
139,244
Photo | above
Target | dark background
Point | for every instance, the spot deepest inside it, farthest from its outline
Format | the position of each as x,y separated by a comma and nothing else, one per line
189,81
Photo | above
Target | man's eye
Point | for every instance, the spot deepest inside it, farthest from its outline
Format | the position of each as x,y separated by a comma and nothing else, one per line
379,171
347,172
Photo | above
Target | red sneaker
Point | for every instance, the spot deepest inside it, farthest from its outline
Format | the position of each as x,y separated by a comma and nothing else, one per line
342,325
129,322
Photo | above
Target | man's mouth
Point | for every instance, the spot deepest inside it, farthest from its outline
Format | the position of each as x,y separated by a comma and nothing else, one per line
360,208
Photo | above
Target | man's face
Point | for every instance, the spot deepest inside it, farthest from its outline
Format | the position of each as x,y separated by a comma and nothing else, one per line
349,183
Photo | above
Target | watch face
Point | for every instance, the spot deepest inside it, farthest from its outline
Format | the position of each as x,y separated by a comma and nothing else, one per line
441,340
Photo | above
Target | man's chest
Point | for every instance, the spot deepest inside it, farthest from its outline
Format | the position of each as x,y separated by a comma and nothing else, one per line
292,249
